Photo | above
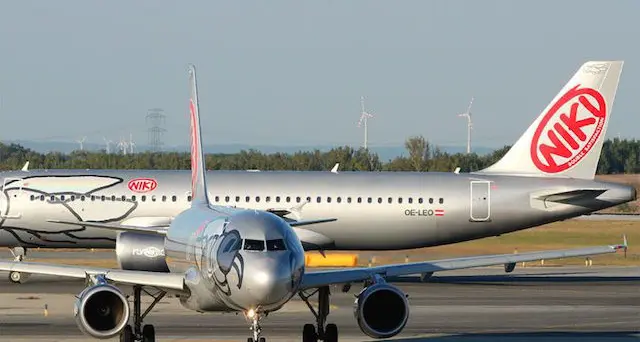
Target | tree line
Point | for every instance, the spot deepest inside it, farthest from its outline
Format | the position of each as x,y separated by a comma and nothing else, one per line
618,156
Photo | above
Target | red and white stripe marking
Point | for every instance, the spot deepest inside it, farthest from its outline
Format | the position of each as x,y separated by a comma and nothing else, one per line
439,212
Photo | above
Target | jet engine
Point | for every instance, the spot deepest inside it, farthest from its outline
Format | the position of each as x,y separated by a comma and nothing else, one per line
101,311
381,310
141,252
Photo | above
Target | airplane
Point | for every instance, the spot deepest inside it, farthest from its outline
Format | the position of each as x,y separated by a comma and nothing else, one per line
227,259
547,176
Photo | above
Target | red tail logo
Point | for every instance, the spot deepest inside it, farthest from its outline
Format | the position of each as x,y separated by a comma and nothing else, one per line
568,130
194,148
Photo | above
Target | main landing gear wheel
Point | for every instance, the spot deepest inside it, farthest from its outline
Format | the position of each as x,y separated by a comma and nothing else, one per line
138,333
15,277
324,332
18,256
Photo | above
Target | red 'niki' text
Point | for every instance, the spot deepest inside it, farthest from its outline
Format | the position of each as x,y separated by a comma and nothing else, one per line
572,126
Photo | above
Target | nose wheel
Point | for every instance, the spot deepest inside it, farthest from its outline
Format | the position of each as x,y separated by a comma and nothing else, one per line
255,326
322,331
18,256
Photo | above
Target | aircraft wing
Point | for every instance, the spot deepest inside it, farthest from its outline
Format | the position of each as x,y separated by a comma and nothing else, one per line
323,278
169,281
159,229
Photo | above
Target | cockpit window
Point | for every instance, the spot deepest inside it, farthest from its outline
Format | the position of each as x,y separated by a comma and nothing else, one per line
253,245
276,245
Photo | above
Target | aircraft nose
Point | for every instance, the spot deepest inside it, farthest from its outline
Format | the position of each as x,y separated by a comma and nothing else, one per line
269,283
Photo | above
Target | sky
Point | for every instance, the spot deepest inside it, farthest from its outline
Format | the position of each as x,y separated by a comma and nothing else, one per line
292,72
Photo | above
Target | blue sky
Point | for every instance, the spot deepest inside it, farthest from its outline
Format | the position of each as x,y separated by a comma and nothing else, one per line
292,72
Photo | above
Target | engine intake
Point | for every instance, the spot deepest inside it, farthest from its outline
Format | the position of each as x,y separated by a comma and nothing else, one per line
381,310
101,311
141,252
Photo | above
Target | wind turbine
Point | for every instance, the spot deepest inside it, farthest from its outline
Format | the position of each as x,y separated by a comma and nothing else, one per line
107,144
364,118
467,114
131,143
81,142
122,145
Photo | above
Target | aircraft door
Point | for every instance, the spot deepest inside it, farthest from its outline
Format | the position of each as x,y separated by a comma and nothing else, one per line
480,193
12,191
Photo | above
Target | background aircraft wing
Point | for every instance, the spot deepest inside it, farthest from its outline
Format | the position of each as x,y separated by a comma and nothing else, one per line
158,229
323,278
169,281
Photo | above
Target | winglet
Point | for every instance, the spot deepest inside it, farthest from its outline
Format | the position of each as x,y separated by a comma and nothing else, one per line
25,168
624,241
335,168
198,182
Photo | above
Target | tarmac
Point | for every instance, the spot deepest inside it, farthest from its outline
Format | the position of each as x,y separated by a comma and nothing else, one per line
531,304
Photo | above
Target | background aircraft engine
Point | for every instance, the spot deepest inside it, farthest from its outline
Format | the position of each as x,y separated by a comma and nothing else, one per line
141,252
101,311
381,310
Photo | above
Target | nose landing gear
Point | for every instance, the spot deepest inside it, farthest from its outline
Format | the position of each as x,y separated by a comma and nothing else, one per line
255,326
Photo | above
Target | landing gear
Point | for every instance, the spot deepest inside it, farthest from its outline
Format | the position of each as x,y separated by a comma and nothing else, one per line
326,333
18,256
139,333
255,327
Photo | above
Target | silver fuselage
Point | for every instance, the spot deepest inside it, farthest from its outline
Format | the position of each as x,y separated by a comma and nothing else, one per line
374,210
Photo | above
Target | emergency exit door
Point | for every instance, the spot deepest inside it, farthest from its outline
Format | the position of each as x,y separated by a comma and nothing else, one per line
480,193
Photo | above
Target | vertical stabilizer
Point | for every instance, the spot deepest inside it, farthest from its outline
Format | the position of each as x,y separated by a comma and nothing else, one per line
566,139
198,181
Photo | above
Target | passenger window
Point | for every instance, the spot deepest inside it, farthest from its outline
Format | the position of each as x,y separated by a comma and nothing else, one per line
73,197
276,245
297,199
188,198
288,199
246,199
268,199
348,199
278,199
379,199
113,198
143,198
217,199
124,198
153,198
441,200
359,199
103,198
62,198
339,200
420,200
399,200
390,200
369,200
33,197
319,199
430,200
257,198
410,200
253,245
174,198
82,198
53,198
42,197
164,198
237,199
227,199
328,199
93,198
309,199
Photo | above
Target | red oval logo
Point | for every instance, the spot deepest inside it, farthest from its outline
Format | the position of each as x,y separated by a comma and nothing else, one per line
568,130
142,184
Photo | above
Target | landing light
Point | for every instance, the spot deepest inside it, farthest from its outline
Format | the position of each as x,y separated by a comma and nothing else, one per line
251,313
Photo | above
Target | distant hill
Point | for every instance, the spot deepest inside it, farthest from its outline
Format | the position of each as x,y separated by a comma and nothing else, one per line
385,152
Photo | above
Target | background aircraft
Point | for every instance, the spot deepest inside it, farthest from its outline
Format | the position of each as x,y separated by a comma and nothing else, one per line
547,176
228,259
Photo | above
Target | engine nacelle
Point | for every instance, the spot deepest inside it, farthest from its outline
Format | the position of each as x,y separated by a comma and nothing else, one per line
141,252
101,311
381,310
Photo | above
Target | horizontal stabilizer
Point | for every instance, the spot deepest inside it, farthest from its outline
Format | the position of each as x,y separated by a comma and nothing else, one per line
569,197
160,230
310,222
